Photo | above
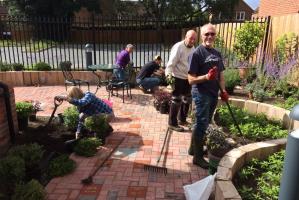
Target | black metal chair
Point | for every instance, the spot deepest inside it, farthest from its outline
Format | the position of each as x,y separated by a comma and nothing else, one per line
115,84
69,79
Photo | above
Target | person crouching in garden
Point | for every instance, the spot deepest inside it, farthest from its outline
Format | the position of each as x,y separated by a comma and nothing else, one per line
145,79
87,104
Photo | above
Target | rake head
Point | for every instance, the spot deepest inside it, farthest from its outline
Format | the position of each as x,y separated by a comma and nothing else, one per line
155,169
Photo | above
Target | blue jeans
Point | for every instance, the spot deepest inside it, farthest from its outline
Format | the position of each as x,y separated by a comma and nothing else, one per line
205,106
148,83
119,73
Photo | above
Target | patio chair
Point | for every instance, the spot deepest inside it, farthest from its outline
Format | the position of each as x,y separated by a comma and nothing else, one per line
69,79
115,84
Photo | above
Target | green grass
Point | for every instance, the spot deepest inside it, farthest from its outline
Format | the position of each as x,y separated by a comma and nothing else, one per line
31,46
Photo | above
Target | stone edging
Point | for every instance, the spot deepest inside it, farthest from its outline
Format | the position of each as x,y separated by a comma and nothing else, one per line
236,158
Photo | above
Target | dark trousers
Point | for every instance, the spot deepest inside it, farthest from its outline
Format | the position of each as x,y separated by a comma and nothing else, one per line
180,101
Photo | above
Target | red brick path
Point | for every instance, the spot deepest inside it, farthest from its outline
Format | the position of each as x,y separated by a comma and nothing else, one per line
123,177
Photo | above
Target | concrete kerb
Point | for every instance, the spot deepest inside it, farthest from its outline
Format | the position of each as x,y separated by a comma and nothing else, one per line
238,157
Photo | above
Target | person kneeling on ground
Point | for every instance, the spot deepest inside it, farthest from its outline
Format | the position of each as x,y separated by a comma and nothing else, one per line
145,78
87,104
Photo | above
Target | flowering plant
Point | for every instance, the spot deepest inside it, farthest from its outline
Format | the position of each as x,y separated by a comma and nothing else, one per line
162,101
36,105
162,96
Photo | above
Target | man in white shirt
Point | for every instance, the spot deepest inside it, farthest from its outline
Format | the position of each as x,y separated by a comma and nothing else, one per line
177,67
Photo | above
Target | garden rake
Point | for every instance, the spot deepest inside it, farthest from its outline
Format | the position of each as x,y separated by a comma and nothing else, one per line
157,168
89,179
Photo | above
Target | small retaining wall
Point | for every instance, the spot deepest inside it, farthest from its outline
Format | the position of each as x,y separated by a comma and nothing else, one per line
238,157
4,129
31,78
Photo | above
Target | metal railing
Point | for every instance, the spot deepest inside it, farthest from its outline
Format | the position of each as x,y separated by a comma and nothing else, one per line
52,40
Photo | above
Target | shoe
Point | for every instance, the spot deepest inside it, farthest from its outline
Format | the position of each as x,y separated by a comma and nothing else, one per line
140,87
176,128
184,123
201,162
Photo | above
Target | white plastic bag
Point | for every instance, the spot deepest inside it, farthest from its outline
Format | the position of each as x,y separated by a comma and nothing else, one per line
200,190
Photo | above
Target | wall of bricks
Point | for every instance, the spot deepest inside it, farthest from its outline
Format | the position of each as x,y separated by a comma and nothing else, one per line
278,7
4,129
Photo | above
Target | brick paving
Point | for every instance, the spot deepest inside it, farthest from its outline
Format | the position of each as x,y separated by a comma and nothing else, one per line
139,130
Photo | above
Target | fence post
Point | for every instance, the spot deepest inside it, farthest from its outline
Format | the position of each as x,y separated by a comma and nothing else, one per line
268,21
88,55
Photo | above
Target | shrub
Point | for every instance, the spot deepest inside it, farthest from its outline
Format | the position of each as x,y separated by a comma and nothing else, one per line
61,166
12,171
232,79
30,153
42,66
31,190
4,67
17,66
87,147
97,124
248,38
71,117
285,47
24,109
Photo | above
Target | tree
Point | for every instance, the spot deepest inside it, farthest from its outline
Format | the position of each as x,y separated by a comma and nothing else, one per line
54,8
182,9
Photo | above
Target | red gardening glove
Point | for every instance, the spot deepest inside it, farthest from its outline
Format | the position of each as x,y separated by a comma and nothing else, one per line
212,74
224,96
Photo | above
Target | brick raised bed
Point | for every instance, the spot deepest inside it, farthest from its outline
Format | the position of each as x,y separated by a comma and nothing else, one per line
238,157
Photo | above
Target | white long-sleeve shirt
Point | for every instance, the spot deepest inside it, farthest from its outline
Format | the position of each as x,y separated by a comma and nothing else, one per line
177,64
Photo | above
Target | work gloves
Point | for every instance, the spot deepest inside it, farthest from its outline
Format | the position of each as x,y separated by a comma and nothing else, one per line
212,73
224,96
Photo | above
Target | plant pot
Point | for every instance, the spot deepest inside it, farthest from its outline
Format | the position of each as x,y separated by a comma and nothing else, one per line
32,117
243,71
157,105
213,163
164,108
250,95
23,123
60,118
230,90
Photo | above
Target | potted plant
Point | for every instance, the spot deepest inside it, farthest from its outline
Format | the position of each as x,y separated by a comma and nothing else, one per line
248,37
36,107
232,79
170,81
218,144
23,109
162,101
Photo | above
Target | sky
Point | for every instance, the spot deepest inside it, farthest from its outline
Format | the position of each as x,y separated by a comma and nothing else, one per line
253,3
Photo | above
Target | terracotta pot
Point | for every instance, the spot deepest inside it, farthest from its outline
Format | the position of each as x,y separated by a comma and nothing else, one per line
243,71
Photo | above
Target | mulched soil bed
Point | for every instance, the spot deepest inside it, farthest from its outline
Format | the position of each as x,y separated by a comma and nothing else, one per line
52,137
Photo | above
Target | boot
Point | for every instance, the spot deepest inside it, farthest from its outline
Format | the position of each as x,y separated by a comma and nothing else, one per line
190,150
198,153
183,112
172,120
